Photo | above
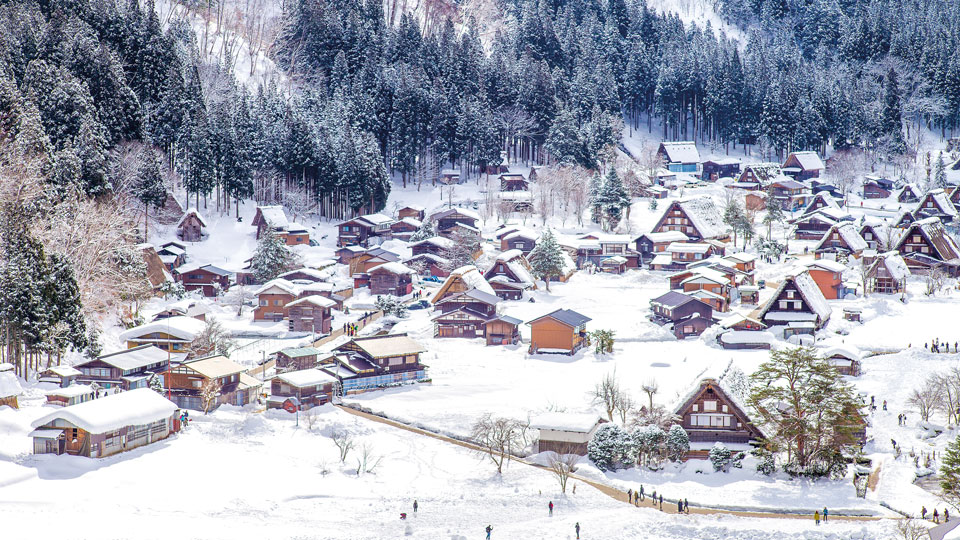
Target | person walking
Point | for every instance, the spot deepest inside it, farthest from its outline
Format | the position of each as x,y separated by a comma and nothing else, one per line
825,514
679,506
816,517
630,495
923,513
686,506
884,404
550,506
577,528
661,502
946,515
654,497
415,505
936,516
489,529
641,492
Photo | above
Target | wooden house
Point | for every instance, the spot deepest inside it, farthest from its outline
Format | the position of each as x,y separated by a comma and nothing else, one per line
561,331
813,226
372,258
846,361
311,386
436,245
684,253
803,165
650,244
926,245
272,299
742,323
428,264
62,375
510,275
273,218
126,369
828,275
513,182
820,201
936,203
173,334
749,294
187,380
743,261
449,176
594,248
798,299
10,390
311,313
755,200
464,314
70,395
412,211
688,316
715,169
719,302
359,230
305,275
157,271
522,240
954,194
206,278
172,254
395,357
879,237
297,358
404,228
502,330
761,174
449,220
391,278
346,253
565,433
877,187
461,280
680,157
910,193
106,426
698,218
886,273
791,194
191,226
710,414
614,265
842,240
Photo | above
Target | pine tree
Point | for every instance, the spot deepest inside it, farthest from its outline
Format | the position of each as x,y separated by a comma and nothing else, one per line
271,258
613,199
425,231
950,473
892,116
677,444
546,258
611,448
940,173
733,217
148,186
774,214
649,441
596,198
721,457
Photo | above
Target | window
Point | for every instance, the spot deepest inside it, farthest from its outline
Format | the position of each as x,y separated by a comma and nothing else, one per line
196,384
264,302
790,294
710,406
924,249
783,304
276,302
696,407
395,361
723,408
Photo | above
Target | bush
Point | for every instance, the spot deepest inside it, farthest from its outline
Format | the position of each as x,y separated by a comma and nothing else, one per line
766,464
611,448
720,457
678,443
648,442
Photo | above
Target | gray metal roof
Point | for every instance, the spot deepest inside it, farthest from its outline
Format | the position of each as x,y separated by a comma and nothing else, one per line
673,299
566,316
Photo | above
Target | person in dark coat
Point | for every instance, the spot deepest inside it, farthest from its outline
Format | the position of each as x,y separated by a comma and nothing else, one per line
661,502
679,506
629,495
577,528
641,493
936,516
415,505
489,529
550,506
686,506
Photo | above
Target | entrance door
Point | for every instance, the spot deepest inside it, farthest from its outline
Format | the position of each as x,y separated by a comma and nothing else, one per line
61,444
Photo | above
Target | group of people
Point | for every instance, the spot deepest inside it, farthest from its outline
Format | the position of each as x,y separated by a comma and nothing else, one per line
351,329
936,515
938,347
816,515
417,294
635,497
902,419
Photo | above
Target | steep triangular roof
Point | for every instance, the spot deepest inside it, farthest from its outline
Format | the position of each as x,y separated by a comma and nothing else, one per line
809,291
848,234
736,408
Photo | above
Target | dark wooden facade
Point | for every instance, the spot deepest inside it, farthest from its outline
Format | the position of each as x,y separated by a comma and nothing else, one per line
711,415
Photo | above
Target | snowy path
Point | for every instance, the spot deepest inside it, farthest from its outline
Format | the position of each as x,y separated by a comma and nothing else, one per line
617,494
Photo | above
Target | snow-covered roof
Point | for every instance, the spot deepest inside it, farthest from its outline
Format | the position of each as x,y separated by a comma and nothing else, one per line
724,161
73,390
317,275
135,358
112,412
436,259
810,293
306,377
826,198
214,366
896,266
63,371
942,200
472,278
850,235
413,222
557,421
296,228
616,259
183,328
191,212
415,207
681,152
377,219
389,345
841,351
279,284
666,236
523,233
826,264
438,241
736,318
809,160
313,299
274,216
661,259
9,385
705,216
741,257
393,268
687,247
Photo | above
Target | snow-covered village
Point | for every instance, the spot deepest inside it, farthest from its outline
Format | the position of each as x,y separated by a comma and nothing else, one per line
479,269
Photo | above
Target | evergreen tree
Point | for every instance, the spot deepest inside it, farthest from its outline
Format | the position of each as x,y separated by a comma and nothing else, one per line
649,441
774,214
892,116
272,257
950,473
148,186
596,198
677,444
733,217
720,457
613,199
940,173
611,448
546,258
425,231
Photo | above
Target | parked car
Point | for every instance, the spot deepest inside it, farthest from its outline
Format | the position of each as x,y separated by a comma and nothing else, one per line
420,304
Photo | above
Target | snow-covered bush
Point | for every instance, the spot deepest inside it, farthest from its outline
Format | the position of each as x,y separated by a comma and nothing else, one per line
766,464
720,457
391,305
648,441
170,288
611,448
678,443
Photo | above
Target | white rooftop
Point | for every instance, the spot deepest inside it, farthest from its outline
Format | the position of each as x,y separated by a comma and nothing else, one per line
135,407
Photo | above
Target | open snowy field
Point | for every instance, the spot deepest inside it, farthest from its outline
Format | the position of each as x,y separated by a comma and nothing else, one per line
237,474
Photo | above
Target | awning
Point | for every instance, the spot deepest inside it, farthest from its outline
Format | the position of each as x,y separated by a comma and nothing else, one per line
43,433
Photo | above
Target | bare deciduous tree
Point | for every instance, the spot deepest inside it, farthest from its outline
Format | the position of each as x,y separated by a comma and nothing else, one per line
497,438
344,442
367,461
845,167
927,397
934,281
562,464
607,394
209,394
625,406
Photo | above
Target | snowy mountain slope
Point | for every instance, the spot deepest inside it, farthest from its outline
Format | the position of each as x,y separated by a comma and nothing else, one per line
698,12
